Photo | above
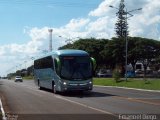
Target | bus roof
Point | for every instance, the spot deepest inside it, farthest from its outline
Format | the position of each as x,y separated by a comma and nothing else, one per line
65,52
71,52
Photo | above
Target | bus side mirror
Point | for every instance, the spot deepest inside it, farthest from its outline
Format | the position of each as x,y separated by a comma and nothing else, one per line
57,65
93,63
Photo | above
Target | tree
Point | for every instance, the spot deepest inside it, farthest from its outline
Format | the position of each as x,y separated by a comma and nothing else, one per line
92,46
143,50
148,51
30,70
133,51
121,26
114,53
68,46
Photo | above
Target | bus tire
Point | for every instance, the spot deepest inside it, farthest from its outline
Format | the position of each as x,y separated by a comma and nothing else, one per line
39,86
54,89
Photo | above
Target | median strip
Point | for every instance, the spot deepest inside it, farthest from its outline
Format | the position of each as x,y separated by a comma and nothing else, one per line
128,88
149,84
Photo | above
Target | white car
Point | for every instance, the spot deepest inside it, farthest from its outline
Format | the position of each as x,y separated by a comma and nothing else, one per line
18,78
104,73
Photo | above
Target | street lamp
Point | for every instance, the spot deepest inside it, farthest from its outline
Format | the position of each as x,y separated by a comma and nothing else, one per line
126,41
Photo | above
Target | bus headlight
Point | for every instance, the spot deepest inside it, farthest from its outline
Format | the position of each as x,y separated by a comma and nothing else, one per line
64,83
90,82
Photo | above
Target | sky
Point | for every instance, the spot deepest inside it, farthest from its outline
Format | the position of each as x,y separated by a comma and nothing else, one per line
24,25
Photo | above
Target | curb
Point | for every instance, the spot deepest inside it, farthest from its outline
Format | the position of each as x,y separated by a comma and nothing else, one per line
129,88
2,111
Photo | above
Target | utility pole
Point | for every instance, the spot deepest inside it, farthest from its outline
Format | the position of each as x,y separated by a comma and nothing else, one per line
122,27
50,39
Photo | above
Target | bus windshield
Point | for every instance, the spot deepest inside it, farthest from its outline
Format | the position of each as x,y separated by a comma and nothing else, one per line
76,68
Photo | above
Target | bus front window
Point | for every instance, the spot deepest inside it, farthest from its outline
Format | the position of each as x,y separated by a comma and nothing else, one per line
78,67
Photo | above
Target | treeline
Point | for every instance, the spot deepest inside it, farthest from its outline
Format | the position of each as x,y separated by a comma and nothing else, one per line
22,72
111,53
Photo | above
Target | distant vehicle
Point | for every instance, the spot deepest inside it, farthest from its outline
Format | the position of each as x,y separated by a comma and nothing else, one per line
104,73
64,70
139,71
139,68
3,77
18,78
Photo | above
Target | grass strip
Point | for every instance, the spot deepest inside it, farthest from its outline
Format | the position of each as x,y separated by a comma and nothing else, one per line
149,84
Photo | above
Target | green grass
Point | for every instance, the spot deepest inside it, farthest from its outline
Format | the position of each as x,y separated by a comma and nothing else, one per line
28,78
150,84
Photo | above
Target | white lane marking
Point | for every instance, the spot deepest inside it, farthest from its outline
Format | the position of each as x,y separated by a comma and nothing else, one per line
103,111
2,110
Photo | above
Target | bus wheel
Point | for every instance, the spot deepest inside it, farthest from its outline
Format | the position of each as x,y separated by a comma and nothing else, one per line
54,89
39,87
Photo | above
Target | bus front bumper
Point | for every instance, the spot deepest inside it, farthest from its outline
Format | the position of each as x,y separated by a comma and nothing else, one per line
78,87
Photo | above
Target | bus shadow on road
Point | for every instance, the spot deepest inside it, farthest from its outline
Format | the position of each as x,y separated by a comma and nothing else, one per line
81,94
86,94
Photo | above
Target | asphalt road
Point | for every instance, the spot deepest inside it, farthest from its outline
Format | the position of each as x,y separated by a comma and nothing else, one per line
25,101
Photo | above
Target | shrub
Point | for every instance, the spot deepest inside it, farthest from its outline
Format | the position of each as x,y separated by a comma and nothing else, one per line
116,75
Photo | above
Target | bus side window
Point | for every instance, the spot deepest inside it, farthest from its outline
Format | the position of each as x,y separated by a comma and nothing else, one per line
44,63
57,65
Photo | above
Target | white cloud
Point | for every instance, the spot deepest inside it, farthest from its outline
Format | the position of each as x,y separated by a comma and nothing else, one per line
98,25
102,27
38,34
76,24
2,51
103,8
147,22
